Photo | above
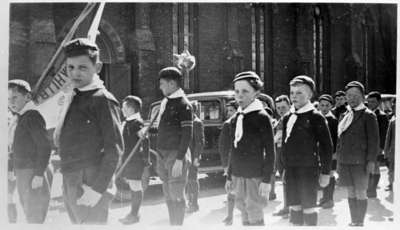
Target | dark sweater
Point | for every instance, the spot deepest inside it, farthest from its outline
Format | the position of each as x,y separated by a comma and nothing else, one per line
175,130
198,141
91,135
141,158
359,143
333,128
225,143
31,147
309,144
254,155
383,123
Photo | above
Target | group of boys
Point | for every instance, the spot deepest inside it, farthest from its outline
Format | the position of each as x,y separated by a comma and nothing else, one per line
304,145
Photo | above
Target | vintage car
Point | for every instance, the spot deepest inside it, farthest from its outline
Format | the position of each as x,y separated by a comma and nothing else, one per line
212,111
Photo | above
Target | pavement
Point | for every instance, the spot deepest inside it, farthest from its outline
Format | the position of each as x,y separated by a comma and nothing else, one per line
213,207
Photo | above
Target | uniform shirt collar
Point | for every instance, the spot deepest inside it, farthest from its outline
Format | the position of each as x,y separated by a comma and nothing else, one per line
96,83
28,106
135,116
306,108
178,93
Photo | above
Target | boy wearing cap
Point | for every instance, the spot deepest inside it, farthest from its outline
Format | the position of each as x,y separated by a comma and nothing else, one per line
175,131
325,106
196,148
306,152
132,174
88,136
253,150
357,148
224,149
374,100
340,104
282,105
31,152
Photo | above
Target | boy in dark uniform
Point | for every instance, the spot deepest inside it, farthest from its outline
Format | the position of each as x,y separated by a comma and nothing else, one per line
357,148
340,104
175,131
88,136
31,152
325,106
306,152
253,150
224,149
374,101
11,179
282,105
131,107
196,148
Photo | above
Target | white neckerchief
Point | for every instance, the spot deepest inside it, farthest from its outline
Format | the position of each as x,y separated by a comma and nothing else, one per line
96,83
135,116
293,117
256,105
28,106
329,114
178,93
348,118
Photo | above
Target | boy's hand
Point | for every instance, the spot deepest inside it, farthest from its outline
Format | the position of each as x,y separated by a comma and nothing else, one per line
37,182
177,168
324,180
370,167
228,186
196,162
89,197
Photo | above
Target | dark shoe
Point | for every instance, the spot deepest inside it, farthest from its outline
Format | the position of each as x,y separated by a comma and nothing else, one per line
328,204
257,223
310,219
282,212
228,220
272,196
245,223
296,217
129,219
192,208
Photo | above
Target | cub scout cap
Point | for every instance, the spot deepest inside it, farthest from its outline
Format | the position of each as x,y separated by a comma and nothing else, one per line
248,75
355,84
131,99
79,46
326,97
303,79
24,85
171,73
340,93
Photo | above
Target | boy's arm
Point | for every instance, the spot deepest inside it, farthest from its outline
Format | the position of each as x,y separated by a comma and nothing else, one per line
109,122
186,122
325,145
269,148
38,132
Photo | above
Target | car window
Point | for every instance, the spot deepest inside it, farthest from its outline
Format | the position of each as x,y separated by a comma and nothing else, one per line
210,110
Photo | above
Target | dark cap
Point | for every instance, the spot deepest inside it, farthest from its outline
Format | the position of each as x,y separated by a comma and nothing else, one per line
171,73
326,97
340,93
247,75
303,79
375,94
21,84
355,84
79,46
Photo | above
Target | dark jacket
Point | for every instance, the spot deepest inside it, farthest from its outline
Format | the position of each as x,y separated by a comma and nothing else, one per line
383,123
309,144
134,168
31,146
225,143
333,128
390,140
175,130
91,135
339,111
198,140
359,143
254,155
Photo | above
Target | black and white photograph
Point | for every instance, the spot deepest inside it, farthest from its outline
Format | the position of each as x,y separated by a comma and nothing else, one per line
200,114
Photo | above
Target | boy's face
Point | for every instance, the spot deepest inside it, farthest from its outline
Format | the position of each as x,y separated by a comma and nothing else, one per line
373,103
81,70
17,100
300,95
230,110
354,97
126,110
244,93
324,106
282,108
167,86
340,100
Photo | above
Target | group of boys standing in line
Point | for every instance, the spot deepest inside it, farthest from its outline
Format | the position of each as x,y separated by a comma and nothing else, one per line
90,138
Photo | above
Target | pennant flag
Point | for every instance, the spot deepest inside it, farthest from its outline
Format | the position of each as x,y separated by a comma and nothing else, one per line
48,93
